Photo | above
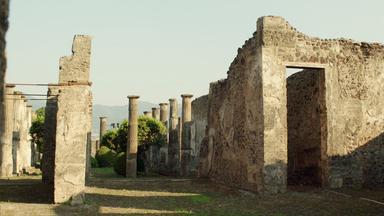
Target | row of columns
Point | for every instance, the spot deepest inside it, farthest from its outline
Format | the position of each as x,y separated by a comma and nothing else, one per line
179,149
16,147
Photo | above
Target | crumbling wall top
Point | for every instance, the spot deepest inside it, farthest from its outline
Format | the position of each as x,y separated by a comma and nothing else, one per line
75,68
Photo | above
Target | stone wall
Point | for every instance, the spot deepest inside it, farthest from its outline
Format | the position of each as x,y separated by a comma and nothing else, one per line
233,151
68,124
247,124
198,126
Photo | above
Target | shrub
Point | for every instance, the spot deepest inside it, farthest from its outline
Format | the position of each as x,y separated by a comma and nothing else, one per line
105,156
108,139
120,164
94,163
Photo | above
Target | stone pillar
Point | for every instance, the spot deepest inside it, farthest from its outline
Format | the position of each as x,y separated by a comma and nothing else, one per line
18,103
147,114
50,122
156,113
173,141
132,146
6,161
31,147
25,147
164,113
4,121
103,127
186,120
73,123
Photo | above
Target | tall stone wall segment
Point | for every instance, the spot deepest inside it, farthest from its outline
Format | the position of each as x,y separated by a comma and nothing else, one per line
247,124
198,127
68,124
4,118
6,159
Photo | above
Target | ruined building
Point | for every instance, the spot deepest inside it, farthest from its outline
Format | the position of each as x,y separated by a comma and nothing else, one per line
322,126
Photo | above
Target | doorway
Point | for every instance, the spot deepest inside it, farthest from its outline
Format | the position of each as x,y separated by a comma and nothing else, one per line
307,128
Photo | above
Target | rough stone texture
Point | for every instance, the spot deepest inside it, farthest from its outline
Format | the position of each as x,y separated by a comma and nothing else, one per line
71,141
198,126
6,160
78,69
132,146
4,131
68,123
48,160
305,106
247,124
173,138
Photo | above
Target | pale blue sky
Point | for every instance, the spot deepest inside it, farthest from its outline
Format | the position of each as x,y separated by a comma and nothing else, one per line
161,48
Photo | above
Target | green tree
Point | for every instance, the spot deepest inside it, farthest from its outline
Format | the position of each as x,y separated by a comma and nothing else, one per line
108,140
37,128
150,132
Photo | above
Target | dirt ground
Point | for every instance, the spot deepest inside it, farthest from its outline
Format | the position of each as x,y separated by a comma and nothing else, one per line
107,194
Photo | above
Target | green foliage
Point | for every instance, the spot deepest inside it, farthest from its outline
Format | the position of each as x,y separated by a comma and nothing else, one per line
37,129
150,132
108,140
119,165
105,156
94,163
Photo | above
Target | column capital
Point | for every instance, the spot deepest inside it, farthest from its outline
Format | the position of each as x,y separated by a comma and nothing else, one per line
133,96
187,95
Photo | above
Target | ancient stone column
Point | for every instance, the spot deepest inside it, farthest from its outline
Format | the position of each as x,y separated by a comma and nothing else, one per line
103,127
4,121
164,113
18,103
147,114
156,113
25,147
31,147
186,120
132,146
6,126
173,141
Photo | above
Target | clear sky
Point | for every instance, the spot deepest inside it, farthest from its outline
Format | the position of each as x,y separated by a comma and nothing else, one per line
161,48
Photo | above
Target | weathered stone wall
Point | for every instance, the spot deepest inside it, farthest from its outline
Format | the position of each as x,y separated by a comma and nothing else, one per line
248,112
48,160
68,124
305,103
5,141
233,151
198,126
71,142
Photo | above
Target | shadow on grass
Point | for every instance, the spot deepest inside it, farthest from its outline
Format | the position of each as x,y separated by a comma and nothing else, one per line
25,191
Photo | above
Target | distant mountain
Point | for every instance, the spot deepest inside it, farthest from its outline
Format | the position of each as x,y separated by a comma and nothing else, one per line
115,114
